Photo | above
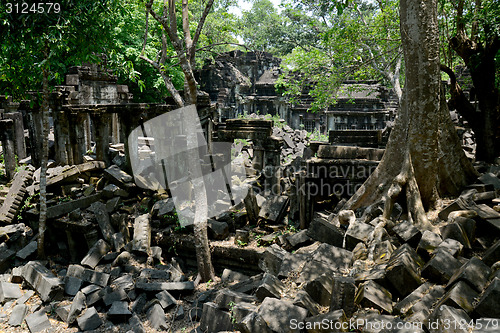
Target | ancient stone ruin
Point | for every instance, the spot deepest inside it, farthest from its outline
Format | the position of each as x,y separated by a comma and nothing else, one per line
287,258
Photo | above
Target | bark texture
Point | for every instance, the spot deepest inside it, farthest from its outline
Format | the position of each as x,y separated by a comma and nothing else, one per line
43,169
423,154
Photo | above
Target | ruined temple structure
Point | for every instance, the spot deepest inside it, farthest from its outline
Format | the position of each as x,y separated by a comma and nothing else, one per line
244,83
90,108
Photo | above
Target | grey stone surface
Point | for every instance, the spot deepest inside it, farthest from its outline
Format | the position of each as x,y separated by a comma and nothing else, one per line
270,286
274,208
278,314
460,295
299,239
27,251
89,320
320,289
142,234
168,286
19,312
47,285
488,302
217,230
333,318
136,324
166,300
407,233
214,319
446,319
156,317
96,253
231,276
371,294
403,274
72,285
324,231
492,255
9,291
357,232
113,295
77,306
428,242
343,294
271,259
253,323
119,312
451,246
37,321
474,272
441,267
304,300
404,305
88,275
226,297
103,220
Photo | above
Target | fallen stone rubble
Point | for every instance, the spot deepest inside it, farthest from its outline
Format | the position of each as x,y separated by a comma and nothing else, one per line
352,270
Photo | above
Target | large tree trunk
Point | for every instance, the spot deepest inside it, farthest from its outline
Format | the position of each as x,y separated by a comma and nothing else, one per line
186,50
423,151
480,60
43,170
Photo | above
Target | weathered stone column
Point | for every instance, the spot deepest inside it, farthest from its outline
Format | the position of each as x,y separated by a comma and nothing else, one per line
20,146
115,129
101,123
7,132
77,137
35,129
61,140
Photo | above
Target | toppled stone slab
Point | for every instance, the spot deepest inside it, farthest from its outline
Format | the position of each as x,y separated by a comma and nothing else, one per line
407,233
156,317
168,286
274,208
304,300
371,294
9,291
474,272
488,302
320,289
461,295
428,242
443,319
231,276
226,297
89,320
119,312
492,255
404,306
70,206
12,203
271,259
6,255
325,232
357,232
28,250
343,294
270,286
441,267
217,230
77,306
278,314
37,321
118,177
214,319
253,323
102,217
166,300
299,239
88,275
402,272
47,285
96,253
19,313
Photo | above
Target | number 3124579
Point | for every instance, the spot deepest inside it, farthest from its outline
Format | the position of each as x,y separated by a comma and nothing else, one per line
35,8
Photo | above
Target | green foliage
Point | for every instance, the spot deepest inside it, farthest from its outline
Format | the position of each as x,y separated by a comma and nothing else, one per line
355,42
